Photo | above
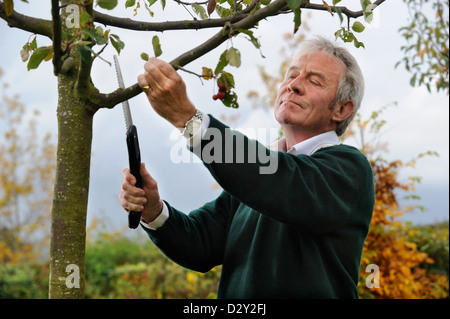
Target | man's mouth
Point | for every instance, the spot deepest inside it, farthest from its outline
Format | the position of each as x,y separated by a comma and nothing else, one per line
289,101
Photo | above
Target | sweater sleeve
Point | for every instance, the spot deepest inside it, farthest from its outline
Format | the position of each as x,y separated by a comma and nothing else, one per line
196,240
331,188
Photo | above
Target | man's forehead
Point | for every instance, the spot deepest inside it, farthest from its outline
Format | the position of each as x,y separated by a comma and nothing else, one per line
317,62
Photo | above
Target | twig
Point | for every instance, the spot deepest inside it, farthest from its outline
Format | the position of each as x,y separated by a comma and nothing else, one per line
193,73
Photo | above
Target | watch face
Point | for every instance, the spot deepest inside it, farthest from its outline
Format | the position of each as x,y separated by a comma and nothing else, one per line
195,125
192,126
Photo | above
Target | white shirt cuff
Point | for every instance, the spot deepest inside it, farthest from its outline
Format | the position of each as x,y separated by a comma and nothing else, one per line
159,221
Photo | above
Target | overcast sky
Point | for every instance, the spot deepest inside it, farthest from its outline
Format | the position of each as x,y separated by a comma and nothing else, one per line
419,122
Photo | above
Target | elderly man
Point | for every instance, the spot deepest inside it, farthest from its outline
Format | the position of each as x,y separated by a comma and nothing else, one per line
296,232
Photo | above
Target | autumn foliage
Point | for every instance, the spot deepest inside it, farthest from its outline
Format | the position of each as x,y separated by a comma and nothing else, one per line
388,246
27,166
398,259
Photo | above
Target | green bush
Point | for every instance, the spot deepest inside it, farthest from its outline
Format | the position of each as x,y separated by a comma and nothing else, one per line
162,279
23,281
120,267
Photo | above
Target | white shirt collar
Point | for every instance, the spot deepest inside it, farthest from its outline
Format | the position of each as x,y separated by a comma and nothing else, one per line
309,146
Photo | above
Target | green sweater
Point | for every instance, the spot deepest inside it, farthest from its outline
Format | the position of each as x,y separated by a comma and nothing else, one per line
297,233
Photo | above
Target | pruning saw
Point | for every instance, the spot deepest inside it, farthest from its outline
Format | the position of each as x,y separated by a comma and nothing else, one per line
134,153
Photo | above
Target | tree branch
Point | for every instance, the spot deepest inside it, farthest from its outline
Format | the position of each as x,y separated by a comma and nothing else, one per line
112,99
27,23
349,13
57,52
126,23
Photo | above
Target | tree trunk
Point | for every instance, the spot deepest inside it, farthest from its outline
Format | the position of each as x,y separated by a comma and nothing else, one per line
68,223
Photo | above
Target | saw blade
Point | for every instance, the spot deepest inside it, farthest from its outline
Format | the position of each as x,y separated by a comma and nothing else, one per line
125,104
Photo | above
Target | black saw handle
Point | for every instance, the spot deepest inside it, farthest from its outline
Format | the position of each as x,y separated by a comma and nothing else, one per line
134,158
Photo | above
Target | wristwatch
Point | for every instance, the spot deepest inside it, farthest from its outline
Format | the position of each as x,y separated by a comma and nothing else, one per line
193,125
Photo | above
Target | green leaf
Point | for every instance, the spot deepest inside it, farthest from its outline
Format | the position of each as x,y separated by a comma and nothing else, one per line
358,44
252,39
99,38
200,11
33,44
297,19
222,12
116,42
412,81
368,17
130,3
107,4
84,52
38,56
223,62
339,12
156,46
358,27
230,100
234,57
227,78
294,4
144,56
27,48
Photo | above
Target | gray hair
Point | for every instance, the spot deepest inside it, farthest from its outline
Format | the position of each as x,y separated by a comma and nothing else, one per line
351,84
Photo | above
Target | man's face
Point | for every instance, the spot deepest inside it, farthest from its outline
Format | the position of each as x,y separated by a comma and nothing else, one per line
304,97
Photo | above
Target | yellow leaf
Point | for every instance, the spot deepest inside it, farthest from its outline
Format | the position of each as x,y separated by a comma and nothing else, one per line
207,73
422,52
9,7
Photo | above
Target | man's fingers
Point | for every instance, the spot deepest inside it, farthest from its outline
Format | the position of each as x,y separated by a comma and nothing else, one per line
165,68
142,82
128,176
131,198
128,184
158,72
132,190
132,203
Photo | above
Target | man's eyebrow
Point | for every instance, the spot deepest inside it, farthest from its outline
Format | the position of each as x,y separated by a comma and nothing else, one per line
316,73
308,72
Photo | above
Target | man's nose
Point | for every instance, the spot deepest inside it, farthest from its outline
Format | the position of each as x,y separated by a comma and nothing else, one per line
297,86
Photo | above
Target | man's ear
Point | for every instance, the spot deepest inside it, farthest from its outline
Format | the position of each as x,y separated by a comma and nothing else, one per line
343,111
